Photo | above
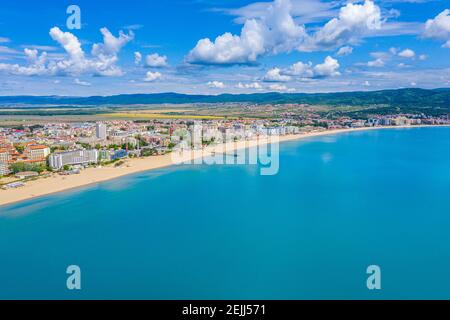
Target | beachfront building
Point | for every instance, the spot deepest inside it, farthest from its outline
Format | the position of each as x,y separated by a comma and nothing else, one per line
78,157
37,152
5,157
4,169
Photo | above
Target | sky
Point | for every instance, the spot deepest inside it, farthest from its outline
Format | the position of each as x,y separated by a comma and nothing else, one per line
221,46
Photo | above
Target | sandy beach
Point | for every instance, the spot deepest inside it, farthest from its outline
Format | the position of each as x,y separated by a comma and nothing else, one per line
57,183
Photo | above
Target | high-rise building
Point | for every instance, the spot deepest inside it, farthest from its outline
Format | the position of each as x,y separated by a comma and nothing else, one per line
78,157
101,131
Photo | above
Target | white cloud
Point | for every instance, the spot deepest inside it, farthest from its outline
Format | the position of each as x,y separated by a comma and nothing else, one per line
82,83
353,22
105,54
69,42
75,62
274,75
407,53
377,63
366,84
4,40
439,28
329,68
301,70
280,87
423,57
156,61
137,57
216,84
111,45
36,64
305,10
345,51
274,30
152,76
253,85
230,49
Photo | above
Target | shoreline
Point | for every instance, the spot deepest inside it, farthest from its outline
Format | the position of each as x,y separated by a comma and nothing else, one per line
91,176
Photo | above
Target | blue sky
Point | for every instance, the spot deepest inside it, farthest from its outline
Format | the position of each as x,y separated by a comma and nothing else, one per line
217,46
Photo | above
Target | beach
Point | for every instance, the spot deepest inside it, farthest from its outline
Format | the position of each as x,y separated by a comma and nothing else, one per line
57,183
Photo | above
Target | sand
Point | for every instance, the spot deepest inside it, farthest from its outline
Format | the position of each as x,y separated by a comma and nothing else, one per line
57,183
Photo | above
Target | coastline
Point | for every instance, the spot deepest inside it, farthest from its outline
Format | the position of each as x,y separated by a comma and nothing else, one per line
57,183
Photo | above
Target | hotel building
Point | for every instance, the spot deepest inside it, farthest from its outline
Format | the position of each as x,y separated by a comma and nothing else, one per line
78,157
37,152
5,157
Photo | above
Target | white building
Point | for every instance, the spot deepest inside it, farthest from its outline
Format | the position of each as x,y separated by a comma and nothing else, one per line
4,169
78,157
101,131
37,152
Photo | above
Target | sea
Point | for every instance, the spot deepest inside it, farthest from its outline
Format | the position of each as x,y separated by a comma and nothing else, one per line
339,206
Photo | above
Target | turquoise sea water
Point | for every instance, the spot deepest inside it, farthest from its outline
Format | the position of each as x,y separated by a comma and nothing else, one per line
338,204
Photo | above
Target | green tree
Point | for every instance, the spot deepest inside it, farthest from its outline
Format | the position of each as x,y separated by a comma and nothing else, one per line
20,149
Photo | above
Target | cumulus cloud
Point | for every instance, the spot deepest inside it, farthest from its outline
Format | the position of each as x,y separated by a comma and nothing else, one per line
216,85
75,62
229,48
36,64
156,61
275,30
329,68
439,27
301,70
407,53
353,22
274,75
345,51
111,45
152,76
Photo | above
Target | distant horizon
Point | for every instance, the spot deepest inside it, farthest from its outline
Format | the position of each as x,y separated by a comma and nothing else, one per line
225,93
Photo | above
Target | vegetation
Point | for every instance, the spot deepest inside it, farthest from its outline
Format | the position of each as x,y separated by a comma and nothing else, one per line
23,166
403,97
149,152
